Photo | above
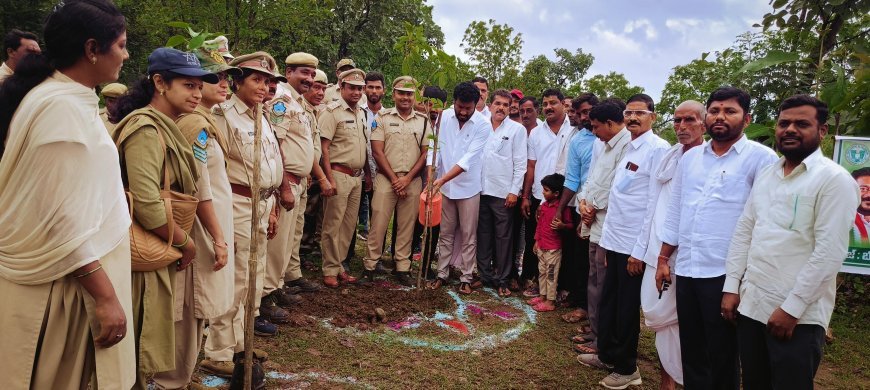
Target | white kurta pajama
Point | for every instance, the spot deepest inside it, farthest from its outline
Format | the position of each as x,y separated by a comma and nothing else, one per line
62,207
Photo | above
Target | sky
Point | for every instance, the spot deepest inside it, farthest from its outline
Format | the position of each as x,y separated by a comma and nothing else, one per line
644,40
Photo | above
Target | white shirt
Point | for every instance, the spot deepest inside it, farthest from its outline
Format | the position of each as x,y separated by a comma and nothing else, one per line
504,160
707,199
599,181
546,148
462,147
791,240
630,192
486,112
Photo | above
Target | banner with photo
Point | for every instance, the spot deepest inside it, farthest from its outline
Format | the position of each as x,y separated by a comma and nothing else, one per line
853,153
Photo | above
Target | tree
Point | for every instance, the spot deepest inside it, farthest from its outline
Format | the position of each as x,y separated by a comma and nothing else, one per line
493,49
611,85
569,69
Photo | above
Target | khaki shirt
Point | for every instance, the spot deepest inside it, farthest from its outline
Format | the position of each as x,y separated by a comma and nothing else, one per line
235,121
345,127
293,128
402,137
333,94
104,115
314,114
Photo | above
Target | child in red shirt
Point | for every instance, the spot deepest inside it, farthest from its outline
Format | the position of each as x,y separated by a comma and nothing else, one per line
548,244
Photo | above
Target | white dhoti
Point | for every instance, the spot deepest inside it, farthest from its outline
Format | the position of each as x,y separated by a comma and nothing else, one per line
660,315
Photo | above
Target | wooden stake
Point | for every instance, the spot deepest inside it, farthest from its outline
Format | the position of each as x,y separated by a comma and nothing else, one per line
427,230
254,248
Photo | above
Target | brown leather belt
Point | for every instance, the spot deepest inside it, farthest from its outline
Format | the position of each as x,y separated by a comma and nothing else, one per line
292,178
245,191
345,169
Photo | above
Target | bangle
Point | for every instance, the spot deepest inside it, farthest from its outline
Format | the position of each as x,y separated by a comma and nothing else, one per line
99,267
220,244
186,239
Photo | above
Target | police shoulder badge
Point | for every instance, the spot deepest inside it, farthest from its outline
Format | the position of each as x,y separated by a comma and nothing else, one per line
276,114
199,151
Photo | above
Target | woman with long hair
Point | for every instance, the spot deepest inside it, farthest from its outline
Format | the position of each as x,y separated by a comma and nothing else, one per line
149,142
205,289
64,246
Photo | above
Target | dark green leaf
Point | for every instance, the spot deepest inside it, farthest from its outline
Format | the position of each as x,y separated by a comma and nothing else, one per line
175,40
779,3
774,57
196,42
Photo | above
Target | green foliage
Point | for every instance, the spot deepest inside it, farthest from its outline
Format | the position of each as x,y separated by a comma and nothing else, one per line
611,85
194,40
493,48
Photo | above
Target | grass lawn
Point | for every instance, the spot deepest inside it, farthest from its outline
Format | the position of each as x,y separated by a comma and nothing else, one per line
503,345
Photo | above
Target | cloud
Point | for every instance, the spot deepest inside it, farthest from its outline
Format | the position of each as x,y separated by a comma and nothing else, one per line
562,17
608,38
642,24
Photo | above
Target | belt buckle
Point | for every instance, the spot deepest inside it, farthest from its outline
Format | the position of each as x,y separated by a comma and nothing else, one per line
357,172
268,193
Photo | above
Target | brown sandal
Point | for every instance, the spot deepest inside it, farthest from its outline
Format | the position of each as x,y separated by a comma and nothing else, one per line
584,348
465,288
504,292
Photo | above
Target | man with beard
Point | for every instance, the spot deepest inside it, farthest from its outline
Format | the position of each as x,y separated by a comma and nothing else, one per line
504,164
710,188
860,237
462,135
789,244
660,311
514,114
343,144
294,128
548,147
577,166
399,144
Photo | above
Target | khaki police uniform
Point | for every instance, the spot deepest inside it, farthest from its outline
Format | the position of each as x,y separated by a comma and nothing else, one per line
292,126
345,127
113,90
403,140
235,122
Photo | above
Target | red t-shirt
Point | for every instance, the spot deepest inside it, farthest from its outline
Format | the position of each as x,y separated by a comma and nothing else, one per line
545,236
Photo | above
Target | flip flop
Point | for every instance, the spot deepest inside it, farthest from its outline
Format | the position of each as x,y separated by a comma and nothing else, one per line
465,288
582,339
541,308
436,284
574,316
584,348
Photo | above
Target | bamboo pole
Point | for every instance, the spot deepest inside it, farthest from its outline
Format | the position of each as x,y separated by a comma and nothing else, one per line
254,248
427,230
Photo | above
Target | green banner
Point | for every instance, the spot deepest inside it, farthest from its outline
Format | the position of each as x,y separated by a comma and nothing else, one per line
853,153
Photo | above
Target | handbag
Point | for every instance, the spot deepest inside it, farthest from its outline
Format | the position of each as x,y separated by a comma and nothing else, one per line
150,252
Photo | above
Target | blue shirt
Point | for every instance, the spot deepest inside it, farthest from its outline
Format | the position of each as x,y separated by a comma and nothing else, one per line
579,159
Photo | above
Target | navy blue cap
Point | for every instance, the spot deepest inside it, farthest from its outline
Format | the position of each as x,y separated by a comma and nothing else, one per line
179,62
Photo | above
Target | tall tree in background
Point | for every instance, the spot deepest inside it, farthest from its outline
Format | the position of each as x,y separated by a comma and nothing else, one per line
612,84
493,49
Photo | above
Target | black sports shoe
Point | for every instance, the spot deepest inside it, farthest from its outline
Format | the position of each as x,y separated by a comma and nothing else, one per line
303,285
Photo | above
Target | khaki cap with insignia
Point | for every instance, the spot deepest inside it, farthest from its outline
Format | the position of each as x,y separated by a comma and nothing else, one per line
302,59
113,90
353,77
259,61
405,83
345,62
320,77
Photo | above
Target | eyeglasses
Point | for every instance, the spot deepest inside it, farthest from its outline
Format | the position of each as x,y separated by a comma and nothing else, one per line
628,113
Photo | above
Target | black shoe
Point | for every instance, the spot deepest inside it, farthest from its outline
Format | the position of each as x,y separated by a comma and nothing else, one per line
264,328
258,376
272,312
368,277
285,300
303,285
381,268
403,278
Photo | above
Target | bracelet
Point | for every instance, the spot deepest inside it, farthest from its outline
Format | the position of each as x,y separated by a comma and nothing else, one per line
99,267
186,239
220,244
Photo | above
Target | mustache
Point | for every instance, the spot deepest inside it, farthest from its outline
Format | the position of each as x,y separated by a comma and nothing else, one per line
633,123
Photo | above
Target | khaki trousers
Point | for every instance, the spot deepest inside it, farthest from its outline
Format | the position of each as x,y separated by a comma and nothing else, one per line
549,262
458,234
278,253
384,203
188,340
226,333
294,267
340,213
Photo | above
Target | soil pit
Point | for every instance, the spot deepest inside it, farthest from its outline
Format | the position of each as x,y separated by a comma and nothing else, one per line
361,306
